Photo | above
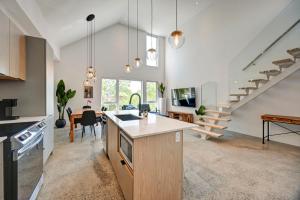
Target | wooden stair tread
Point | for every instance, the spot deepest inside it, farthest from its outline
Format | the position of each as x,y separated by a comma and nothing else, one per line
284,62
210,125
233,95
234,101
258,80
210,133
214,118
217,112
273,72
294,52
248,88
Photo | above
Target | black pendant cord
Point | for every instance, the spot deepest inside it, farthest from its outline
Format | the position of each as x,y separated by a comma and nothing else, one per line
94,43
176,14
137,28
87,45
128,35
151,23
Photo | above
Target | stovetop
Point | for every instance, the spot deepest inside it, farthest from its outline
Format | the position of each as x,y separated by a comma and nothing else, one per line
13,128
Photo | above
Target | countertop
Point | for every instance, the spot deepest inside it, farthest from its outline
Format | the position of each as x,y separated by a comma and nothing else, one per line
152,125
2,139
24,119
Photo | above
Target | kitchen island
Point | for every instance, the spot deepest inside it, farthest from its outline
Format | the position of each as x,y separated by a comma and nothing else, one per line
146,154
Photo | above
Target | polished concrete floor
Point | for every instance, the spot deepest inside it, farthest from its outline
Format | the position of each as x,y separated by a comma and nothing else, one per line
234,167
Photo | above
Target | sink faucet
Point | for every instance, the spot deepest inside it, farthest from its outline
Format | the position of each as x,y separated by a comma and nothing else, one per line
140,105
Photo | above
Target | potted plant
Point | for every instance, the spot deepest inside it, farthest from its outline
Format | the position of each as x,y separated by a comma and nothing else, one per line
201,112
62,100
162,102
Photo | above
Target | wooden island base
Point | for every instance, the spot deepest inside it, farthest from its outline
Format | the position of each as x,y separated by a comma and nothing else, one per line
157,172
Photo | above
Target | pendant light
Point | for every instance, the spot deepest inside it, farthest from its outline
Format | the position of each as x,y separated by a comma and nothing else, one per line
137,61
90,71
176,38
127,66
152,53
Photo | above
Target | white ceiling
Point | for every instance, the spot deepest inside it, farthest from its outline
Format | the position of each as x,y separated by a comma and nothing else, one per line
66,18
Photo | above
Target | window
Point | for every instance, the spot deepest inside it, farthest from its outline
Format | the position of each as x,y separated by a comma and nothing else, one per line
151,62
126,89
151,95
109,93
116,93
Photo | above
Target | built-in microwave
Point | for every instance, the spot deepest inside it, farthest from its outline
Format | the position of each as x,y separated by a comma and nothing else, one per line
126,148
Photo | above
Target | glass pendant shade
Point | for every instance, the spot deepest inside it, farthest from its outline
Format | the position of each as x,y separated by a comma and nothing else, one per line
138,62
176,39
127,68
86,83
152,54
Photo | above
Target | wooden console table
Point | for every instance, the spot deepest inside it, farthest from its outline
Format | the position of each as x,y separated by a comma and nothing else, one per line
276,119
182,116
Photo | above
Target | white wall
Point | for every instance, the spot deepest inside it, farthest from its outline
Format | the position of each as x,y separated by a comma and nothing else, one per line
111,57
213,39
281,99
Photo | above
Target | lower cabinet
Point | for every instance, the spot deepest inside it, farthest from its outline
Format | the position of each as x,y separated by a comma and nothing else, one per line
48,141
123,174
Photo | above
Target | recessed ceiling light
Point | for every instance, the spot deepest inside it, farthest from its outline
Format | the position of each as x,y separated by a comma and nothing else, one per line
197,2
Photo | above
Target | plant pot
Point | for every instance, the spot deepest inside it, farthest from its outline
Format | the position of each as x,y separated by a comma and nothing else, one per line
60,123
162,106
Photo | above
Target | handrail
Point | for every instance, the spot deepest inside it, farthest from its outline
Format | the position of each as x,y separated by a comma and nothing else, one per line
271,45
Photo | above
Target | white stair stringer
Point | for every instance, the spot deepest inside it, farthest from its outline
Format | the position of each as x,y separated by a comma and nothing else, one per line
287,72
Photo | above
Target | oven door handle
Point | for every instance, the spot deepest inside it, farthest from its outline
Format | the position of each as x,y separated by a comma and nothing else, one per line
22,151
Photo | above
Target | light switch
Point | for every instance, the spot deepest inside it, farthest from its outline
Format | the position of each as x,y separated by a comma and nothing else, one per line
177,137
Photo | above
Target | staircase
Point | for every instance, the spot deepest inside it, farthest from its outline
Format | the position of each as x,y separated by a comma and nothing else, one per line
209,124
257,86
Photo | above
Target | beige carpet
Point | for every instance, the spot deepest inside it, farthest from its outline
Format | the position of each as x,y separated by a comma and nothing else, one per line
235,167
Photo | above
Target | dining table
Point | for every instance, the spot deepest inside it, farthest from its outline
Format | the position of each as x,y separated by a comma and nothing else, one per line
78,115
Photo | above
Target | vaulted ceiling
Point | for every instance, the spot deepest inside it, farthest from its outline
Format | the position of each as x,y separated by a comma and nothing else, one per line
66,18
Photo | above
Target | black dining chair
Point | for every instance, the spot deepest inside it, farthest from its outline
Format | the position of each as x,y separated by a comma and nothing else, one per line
88,119
86,107
76,120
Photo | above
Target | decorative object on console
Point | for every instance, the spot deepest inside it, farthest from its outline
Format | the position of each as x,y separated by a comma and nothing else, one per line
62,100
91,71
152,53
201,112
137,61
176,38
162,102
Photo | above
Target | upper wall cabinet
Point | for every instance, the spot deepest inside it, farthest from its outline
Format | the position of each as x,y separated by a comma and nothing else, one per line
4,45
12,48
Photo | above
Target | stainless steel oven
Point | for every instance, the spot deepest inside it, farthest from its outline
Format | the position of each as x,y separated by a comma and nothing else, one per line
30,167
126,147
23,159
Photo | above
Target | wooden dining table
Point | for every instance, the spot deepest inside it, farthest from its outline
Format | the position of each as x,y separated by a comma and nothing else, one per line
77,115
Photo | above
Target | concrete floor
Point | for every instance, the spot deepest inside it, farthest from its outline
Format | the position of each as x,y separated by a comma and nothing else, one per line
234,167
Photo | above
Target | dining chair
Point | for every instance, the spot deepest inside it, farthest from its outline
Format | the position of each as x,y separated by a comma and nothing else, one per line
88,119
76,120
86,107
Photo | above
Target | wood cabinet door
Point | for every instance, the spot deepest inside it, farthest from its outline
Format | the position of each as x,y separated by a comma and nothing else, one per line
16,55
4,44
112,143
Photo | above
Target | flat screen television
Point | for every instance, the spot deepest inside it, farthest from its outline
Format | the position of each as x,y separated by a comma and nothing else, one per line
185,97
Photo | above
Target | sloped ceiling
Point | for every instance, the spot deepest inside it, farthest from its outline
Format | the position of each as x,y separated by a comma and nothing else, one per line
66,18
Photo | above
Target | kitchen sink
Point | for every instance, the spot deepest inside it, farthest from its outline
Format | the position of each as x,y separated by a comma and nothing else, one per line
127,117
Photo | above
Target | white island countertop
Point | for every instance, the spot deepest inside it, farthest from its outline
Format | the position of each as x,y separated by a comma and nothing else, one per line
152,125
24,119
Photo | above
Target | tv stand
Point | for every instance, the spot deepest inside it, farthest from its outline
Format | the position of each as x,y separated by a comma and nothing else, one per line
182,116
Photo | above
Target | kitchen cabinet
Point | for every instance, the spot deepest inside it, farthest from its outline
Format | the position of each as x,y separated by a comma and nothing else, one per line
123,173
4,44
12,50
48,142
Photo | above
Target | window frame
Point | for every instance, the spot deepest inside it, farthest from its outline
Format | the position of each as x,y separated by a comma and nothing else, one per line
157,50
